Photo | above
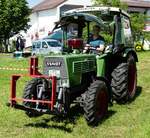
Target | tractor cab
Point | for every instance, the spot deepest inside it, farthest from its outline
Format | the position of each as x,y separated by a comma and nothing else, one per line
115,25
78,26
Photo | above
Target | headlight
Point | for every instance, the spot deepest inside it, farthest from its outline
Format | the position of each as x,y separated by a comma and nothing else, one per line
54,73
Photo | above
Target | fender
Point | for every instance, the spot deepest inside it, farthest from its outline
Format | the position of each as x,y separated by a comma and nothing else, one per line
130,51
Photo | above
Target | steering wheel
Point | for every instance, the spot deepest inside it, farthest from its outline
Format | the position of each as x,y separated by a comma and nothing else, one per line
93,50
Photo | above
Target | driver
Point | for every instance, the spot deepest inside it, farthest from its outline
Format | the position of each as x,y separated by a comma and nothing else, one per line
96,41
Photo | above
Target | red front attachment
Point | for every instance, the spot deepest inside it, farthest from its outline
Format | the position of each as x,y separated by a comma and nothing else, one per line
33,72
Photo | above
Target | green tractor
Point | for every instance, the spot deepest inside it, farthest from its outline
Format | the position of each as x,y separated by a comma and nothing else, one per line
91,79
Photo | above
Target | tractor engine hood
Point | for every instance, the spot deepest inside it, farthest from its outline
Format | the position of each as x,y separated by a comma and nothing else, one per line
55,66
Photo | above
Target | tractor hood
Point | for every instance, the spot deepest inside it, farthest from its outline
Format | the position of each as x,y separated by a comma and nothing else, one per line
69,67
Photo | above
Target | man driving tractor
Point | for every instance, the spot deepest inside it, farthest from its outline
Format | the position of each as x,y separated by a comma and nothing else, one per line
95,41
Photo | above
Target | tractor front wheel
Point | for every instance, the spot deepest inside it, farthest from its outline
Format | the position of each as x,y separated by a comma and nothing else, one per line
96,102
31,92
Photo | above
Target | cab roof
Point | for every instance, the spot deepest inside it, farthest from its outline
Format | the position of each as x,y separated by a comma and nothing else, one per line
82,16
101,9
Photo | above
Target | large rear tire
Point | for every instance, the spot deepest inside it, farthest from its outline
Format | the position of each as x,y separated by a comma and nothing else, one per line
96,102
124,81
30,92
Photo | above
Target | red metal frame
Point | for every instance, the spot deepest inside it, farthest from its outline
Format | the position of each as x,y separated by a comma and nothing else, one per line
33,72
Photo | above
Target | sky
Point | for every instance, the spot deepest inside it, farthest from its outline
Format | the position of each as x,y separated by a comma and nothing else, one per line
33,2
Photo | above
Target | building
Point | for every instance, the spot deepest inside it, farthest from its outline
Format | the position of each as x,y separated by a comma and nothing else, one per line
46,13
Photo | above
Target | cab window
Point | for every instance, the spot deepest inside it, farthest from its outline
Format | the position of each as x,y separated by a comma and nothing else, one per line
54,44
128,40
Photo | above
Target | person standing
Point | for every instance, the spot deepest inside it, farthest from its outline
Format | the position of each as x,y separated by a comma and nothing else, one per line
19,44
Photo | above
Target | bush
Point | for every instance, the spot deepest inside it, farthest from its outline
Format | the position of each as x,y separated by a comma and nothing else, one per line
147,35
1,47
13,46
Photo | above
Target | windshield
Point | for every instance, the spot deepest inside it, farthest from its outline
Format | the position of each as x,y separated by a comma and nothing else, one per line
53,44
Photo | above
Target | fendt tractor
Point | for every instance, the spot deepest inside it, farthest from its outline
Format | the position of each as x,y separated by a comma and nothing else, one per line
89,78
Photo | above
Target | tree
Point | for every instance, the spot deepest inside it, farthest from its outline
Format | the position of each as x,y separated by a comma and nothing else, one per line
113,3
14,17
138,24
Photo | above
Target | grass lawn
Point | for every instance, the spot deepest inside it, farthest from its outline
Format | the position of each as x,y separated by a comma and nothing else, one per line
131,120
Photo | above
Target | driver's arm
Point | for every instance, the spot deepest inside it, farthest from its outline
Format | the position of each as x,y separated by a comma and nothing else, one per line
101,48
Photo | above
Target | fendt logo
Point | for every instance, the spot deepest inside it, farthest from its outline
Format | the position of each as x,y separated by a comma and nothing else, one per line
53,64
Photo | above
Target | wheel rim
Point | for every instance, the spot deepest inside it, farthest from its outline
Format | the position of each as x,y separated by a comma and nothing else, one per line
132,79
101,104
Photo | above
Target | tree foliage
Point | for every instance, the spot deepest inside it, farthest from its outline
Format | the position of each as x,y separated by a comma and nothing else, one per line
138,23
14,17
113,3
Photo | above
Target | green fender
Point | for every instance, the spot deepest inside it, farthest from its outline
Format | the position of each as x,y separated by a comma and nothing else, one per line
101,65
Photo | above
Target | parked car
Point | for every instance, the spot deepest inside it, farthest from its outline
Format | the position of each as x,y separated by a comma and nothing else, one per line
46,46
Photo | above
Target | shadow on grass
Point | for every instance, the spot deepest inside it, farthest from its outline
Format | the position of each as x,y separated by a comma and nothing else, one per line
47,126
60,122
137,94
108,115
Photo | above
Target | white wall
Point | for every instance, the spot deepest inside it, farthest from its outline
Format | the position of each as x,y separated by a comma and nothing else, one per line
41,22
47,18
33,22
33,29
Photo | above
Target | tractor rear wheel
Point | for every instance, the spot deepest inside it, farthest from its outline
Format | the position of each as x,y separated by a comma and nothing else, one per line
31,92
96,102
124,81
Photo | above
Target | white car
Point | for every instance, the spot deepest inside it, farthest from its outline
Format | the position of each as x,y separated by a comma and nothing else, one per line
146,45
46,46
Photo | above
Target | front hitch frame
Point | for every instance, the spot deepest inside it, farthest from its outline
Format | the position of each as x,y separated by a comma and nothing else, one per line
33,73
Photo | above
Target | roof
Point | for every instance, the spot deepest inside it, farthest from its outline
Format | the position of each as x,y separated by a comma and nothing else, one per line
102,8
137,3
47,4
84,16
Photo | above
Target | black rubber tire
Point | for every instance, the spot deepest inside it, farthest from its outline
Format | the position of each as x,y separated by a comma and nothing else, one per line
31,92
124,81
96,102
